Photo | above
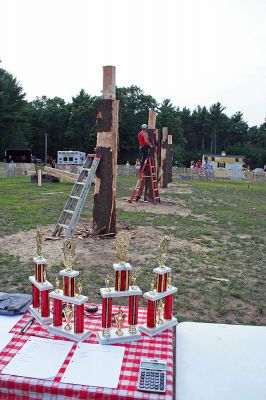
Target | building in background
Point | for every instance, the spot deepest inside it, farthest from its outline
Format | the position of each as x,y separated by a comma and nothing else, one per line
225,166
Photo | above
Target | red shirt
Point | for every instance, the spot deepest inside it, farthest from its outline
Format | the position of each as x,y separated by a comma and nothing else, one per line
143,139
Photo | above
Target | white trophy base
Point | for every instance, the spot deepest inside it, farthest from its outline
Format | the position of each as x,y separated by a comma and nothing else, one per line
114,338
37,315
159,328
61,331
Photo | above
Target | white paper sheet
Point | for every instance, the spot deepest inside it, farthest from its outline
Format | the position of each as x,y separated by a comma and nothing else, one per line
95,365
8,321
39,358
5,338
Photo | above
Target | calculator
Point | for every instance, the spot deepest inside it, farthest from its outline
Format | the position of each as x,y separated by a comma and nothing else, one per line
152,375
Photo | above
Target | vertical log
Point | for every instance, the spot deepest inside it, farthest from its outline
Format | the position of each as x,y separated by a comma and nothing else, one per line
169,157
104,210
163,178
151,132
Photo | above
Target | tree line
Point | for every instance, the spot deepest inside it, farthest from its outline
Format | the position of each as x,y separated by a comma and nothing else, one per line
72,125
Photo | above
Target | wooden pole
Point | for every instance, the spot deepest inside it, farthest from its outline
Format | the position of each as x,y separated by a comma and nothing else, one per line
163,178
104,210
169,158
151,132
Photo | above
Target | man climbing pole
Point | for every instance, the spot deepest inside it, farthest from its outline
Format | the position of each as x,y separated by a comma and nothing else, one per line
144,143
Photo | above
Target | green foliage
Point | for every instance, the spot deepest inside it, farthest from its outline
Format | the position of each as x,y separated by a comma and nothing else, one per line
133,112
72,126
12,117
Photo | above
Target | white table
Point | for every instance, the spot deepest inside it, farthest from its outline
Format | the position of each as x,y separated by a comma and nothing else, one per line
220,362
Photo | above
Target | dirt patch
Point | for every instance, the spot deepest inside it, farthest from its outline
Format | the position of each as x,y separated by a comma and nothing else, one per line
166,206
177,188
92,251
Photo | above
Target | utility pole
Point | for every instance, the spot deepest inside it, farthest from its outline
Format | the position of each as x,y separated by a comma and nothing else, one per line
45,148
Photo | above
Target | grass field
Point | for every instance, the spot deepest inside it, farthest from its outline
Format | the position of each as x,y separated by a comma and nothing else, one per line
223,237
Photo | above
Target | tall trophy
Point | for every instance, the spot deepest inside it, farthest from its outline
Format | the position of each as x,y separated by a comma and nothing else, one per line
159,313
122,288
70,295
40,308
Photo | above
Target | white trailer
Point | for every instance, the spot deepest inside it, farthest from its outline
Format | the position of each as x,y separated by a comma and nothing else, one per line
71,157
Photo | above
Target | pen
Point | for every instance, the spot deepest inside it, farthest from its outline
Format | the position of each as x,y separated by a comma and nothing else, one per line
27,325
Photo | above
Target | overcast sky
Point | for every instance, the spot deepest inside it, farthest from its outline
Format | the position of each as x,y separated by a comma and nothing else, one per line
191,51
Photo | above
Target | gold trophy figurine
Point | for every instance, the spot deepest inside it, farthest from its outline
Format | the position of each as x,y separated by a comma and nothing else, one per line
119,319
121,246
152,291
68,316
44,281
163,250
134,280
39,242
79,288
169,281
57,284
107,283
160,310
69,248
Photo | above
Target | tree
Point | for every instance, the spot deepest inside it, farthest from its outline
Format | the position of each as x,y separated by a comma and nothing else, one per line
49,116
133,112
81,130
12,119
168,116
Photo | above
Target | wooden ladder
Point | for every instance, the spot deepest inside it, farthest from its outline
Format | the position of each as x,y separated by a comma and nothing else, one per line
148,171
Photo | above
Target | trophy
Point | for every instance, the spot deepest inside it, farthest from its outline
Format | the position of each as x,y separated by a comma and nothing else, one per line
40,308
68,316
119,319
68,296
121,288
159,313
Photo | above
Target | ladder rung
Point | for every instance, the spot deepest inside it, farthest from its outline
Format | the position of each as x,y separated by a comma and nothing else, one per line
75,197
80,183
63,225
86,169
157,197
146,176
68,211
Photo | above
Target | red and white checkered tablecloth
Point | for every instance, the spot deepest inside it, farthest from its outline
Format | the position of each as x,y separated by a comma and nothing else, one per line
21,388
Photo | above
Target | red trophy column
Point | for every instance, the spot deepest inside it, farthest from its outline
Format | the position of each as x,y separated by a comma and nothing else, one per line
106,315
69,286
151,314
35,297
122,278
133,310
45,303
57,313
168,307
161,282
79,318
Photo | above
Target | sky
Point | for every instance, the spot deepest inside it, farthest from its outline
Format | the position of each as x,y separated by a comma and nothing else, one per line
194,52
